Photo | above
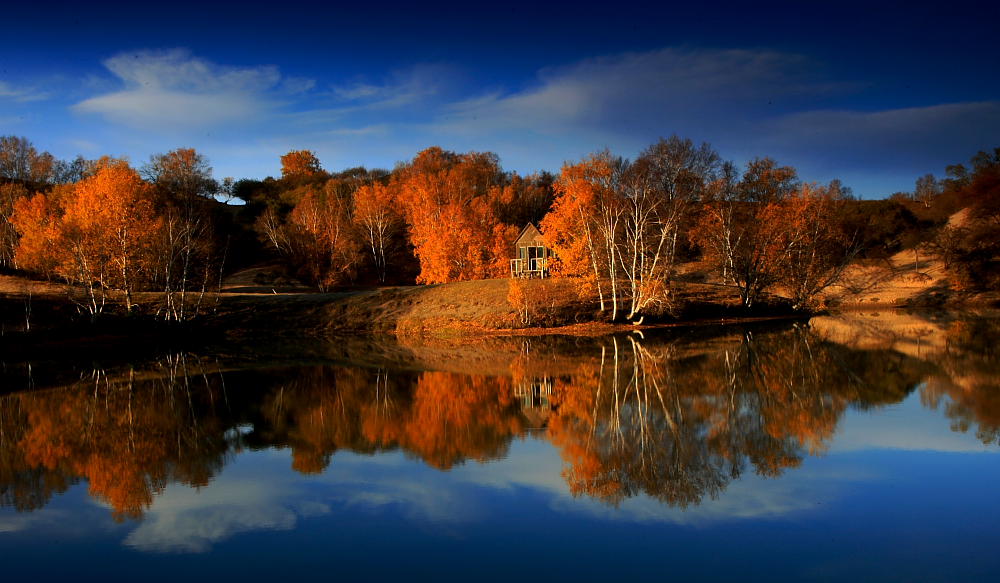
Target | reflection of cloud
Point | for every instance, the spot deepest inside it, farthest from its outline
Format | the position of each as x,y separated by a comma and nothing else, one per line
196,530
268,498
751,497
531,462
183,520
419,492
187,520
907,426
14,523
534,465
261,493
49,520
167,89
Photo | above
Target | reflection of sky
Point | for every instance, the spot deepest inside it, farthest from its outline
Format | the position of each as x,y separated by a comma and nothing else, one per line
897,487
909,426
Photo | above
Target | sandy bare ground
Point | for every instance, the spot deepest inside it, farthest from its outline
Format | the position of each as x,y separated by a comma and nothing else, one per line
912,276
904,278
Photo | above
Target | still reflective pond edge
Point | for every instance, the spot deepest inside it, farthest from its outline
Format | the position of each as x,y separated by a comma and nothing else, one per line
858,447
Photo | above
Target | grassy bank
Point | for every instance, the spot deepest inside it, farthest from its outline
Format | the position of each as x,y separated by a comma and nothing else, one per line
40,312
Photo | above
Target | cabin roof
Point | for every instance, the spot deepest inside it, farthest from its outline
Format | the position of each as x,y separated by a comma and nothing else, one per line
529,231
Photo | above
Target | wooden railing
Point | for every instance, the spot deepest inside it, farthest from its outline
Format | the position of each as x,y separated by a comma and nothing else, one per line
529,267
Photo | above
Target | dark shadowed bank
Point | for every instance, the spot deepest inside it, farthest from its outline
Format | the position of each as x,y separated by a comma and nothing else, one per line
461,310
454,309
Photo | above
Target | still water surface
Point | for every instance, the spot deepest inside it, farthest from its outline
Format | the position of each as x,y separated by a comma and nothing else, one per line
856,448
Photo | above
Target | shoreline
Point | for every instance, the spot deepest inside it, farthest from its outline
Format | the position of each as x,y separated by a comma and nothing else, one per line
479,308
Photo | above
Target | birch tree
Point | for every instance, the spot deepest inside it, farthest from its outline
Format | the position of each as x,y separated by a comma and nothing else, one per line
379,224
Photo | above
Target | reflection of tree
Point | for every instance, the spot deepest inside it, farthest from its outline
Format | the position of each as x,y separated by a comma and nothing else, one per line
967,385
24,486
677,420
625,428
680,428
128,438
442,418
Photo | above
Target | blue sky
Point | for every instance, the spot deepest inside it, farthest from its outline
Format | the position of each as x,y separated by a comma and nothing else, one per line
873,93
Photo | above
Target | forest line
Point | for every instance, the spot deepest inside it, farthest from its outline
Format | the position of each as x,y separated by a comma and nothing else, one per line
620,228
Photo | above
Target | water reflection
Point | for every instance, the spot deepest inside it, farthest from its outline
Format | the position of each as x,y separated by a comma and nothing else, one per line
676,418
680,427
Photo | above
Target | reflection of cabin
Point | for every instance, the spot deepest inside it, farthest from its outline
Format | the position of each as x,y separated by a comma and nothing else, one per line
532,254
534,393
535,397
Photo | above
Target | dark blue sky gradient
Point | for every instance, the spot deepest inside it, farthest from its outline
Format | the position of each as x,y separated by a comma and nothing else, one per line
874,93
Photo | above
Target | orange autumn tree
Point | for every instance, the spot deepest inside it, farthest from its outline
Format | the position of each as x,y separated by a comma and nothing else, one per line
617,223
299,163
10,193
732,231
807,231
102,234
112,229
448,203
569,227
184,187
37,221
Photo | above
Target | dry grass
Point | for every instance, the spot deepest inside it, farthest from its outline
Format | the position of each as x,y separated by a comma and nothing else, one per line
20,287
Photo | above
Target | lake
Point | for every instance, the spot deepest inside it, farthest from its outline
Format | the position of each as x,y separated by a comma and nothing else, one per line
862,447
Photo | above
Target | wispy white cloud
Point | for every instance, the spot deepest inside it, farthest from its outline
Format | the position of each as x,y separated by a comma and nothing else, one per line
746,102
358,91
893,137
401,98
176,90
400,87
21,94
83,145
622,92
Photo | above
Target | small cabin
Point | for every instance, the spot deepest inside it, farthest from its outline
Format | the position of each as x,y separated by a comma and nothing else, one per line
532,256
